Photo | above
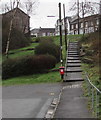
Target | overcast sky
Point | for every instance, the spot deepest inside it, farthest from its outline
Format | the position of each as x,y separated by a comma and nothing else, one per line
47,8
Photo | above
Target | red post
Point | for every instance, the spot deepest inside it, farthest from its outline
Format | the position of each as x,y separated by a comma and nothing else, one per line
62,72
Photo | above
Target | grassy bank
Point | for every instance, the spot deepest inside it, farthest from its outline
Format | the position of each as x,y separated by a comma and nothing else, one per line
51,77
90,65
38,78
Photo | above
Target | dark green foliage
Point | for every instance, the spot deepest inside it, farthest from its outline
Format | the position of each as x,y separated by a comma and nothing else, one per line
84,39
27,65
41,39
47,47
17,38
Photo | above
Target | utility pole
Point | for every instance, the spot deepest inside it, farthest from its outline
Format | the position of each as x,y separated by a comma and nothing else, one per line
60,28
65,28
100,18
78,15
83,18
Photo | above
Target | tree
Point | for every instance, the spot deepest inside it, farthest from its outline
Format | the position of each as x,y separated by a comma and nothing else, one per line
28,6
84,9
15,4
10,29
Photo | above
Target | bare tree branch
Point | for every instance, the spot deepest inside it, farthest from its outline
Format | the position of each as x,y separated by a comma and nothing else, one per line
10,29
89,7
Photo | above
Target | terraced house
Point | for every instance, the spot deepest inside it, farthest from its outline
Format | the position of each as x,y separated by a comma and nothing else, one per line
86,25
21,20
40,32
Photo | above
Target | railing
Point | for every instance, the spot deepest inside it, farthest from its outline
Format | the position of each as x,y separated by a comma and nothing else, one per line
66,58
95,93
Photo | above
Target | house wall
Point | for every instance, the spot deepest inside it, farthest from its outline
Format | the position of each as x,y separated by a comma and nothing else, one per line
21,20
89,24
43,32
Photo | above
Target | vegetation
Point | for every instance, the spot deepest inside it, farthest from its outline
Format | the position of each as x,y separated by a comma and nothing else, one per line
17,38
27,65
22,53
35,78
90,58
48,47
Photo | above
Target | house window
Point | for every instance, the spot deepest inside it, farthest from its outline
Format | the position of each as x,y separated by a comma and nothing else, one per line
91,23
81,25
96,28
86,24
72,26
43,34
76,25
97,21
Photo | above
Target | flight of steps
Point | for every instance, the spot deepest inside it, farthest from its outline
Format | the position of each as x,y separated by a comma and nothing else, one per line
73,71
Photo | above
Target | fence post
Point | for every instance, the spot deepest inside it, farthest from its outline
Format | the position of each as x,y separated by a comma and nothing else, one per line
92,98
96,104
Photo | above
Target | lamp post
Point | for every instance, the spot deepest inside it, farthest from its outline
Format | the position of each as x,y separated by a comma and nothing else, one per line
78,15
60,29
65,28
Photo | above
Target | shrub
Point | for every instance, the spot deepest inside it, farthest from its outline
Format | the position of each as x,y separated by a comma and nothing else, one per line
47,47
41,39
27,65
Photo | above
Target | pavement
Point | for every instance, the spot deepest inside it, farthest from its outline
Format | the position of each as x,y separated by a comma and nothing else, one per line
72,103
28,101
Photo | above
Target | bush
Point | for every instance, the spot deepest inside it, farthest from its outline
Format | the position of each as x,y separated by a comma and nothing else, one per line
41,39
47,47
27,65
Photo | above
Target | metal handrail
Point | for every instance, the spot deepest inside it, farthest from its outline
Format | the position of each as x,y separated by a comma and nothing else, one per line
91,88
92,84
66,57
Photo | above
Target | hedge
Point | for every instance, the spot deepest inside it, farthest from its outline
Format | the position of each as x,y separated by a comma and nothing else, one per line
27,65
47,47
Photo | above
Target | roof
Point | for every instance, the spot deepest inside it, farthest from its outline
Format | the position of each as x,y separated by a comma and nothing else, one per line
86,18
46,28
18,9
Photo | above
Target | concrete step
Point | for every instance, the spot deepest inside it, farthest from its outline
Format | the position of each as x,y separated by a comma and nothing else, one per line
73,65
73,51
72,47
73,76
73,42
73,58
73,69
73,61
73,80
73,55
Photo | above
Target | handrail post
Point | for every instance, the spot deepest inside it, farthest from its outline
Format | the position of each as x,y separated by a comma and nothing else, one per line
96,104
92,98
95,94
89,88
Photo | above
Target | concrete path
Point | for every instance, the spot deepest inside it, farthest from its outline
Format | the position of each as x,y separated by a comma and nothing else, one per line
72,104
28,101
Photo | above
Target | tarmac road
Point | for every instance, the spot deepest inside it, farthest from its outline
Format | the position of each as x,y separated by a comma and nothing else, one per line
28,101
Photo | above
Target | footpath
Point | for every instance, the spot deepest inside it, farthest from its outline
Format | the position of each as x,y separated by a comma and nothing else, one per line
72,103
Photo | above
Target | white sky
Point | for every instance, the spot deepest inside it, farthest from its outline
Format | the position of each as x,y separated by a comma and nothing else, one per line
47,8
